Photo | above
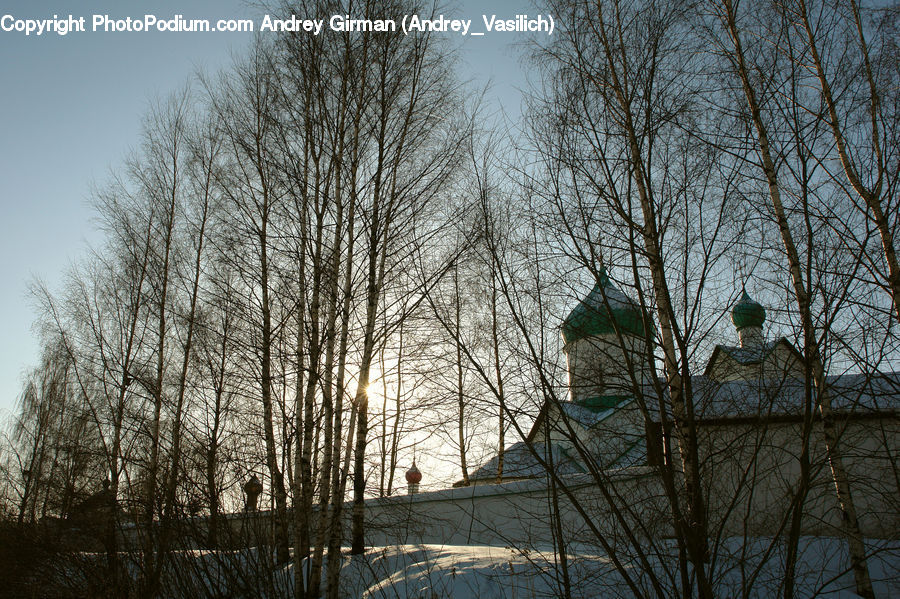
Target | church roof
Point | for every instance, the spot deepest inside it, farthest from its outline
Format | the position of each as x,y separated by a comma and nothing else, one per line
850,393
604,309
748,356
588,415
585,416
519,462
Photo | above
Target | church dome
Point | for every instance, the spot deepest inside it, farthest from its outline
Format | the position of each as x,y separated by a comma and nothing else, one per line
747,313
601,311
413,476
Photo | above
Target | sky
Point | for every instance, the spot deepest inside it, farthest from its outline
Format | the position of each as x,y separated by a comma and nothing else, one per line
71,108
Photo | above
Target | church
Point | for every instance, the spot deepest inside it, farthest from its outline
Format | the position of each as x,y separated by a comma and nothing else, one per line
749,406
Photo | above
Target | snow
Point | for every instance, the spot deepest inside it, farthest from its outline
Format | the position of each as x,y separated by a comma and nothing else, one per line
492,572
850,393
471,572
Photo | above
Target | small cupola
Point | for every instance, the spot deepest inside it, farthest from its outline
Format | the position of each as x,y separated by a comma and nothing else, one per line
413,478
252,488
748,317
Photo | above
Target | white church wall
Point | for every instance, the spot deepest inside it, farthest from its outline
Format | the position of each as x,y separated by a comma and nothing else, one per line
751,471
597,365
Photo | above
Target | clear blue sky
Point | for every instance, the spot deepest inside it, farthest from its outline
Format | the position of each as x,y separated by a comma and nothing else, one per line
71,107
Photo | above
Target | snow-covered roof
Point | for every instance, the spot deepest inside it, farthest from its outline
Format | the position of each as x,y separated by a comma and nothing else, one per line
585,416
749,355
850,393
519,462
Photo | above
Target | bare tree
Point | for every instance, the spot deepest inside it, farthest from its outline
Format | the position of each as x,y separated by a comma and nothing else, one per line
811,346
863,129
244,105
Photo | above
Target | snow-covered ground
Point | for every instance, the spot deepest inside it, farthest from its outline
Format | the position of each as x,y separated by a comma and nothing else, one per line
402,572
488,572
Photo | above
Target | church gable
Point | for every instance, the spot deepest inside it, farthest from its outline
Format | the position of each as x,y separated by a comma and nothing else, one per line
755,359
776,360
607,433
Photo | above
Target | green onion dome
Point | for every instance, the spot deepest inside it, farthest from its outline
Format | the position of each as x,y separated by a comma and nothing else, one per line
747,313
601,312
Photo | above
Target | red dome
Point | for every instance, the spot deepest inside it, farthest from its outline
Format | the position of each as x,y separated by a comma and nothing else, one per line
413,476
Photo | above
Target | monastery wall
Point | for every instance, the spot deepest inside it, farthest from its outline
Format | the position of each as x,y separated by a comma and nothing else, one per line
750,474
